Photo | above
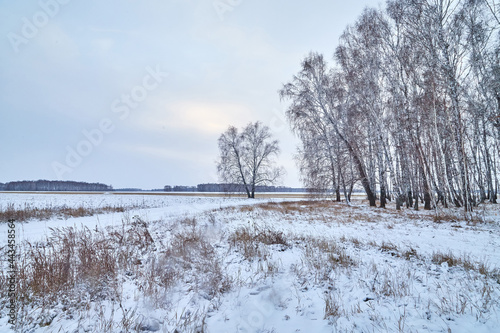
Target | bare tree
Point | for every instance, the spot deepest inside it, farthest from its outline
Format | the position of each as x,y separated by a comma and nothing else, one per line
248,158
411,104
320,103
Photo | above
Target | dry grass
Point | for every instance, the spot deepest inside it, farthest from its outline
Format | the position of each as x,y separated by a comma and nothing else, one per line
71,258
74,267
410,254
454,216
76,270
294,207
250,240
446,216
31,212
450,259
84,269
333,307
389,247
466,263
321,258
192,256
355,214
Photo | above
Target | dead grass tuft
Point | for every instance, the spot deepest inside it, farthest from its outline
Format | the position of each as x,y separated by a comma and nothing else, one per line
411,253
466,263
333,307
389,247
450,259
249,241
191,256
322,257
442,217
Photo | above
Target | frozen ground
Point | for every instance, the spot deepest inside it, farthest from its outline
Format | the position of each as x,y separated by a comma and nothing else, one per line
190,264
148,207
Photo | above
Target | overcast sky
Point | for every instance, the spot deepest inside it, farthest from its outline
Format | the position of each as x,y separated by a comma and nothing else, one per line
135,93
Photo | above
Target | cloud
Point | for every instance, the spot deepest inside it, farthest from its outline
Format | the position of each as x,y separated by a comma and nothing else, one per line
58,46
161,153
106,30
103,45
203,118
221,73
239,42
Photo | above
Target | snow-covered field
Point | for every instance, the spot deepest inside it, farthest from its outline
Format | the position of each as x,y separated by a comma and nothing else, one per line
188,264
148,207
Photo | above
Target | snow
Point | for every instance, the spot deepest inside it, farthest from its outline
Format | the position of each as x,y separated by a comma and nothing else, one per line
152,207
371,268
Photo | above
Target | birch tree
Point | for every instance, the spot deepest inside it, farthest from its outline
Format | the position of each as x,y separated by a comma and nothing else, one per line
248,158
319,101
411,102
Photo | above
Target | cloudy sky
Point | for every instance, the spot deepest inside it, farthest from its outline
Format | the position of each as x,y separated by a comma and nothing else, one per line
135,93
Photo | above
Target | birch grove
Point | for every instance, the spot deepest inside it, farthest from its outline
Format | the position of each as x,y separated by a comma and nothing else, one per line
408,108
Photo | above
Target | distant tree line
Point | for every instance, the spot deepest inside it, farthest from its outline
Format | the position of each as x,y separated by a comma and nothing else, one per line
135,189
409,107
54,185
179,188
236,188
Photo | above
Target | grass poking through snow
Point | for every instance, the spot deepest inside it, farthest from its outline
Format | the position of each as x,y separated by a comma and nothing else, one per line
318,264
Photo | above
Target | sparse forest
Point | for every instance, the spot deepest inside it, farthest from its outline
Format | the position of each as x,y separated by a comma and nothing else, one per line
409,107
